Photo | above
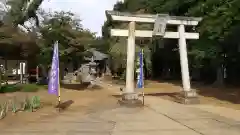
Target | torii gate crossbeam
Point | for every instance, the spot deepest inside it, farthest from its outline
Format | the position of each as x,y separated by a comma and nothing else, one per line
160,20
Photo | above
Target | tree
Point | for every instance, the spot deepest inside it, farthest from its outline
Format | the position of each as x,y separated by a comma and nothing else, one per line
218,45
22,11
65,28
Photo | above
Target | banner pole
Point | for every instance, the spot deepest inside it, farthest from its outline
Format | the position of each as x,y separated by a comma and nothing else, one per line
142,78
59,91
59,94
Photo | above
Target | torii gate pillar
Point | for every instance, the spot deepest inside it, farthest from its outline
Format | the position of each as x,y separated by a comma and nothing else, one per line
184,59
161,20
129,91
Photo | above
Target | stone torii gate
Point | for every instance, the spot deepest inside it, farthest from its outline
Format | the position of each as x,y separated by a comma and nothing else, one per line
160,21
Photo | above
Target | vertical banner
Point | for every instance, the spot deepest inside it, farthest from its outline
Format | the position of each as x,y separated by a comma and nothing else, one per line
53,84
140,76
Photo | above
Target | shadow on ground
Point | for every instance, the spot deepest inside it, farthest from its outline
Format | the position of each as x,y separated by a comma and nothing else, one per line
64,105
134,103
81,87
227,93
175,96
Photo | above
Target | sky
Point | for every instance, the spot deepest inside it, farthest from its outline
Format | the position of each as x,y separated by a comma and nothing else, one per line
91,12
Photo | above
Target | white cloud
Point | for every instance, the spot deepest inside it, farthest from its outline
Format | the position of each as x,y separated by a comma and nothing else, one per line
92,12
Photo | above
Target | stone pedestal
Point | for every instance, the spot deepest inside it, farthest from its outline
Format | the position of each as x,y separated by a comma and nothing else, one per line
129,96
190,97
130,100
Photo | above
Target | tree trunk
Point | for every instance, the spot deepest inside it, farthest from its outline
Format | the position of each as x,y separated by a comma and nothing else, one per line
219,77
0,79
195,74
61,70
43,70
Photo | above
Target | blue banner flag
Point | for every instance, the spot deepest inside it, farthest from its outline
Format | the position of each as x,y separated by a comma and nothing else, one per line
53,84
140,78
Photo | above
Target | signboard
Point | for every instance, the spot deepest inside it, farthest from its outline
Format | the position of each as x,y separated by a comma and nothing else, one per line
160,25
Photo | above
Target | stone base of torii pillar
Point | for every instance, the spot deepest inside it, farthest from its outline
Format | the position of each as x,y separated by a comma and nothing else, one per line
189,97
131,100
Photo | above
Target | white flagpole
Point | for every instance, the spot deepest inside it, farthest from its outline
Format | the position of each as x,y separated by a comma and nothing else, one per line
59,92
142,77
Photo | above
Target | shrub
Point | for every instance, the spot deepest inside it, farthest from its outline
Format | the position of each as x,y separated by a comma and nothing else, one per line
29,104
36,102
9,88
3,110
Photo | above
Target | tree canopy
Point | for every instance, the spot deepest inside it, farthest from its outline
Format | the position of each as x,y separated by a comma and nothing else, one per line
216,50
65,28
218,46
31,32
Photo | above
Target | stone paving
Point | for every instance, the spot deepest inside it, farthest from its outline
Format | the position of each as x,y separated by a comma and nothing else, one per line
158,117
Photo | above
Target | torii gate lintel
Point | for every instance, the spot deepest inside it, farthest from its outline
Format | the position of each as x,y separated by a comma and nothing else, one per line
160,20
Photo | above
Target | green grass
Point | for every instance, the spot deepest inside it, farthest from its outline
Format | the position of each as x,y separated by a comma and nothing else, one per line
22,88
29,87
9,88
43,86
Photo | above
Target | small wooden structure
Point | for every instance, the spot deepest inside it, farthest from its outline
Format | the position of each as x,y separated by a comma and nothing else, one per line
14,68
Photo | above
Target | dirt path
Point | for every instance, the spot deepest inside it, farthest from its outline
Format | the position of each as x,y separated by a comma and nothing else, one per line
87,101
97,113
83,101
208,95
